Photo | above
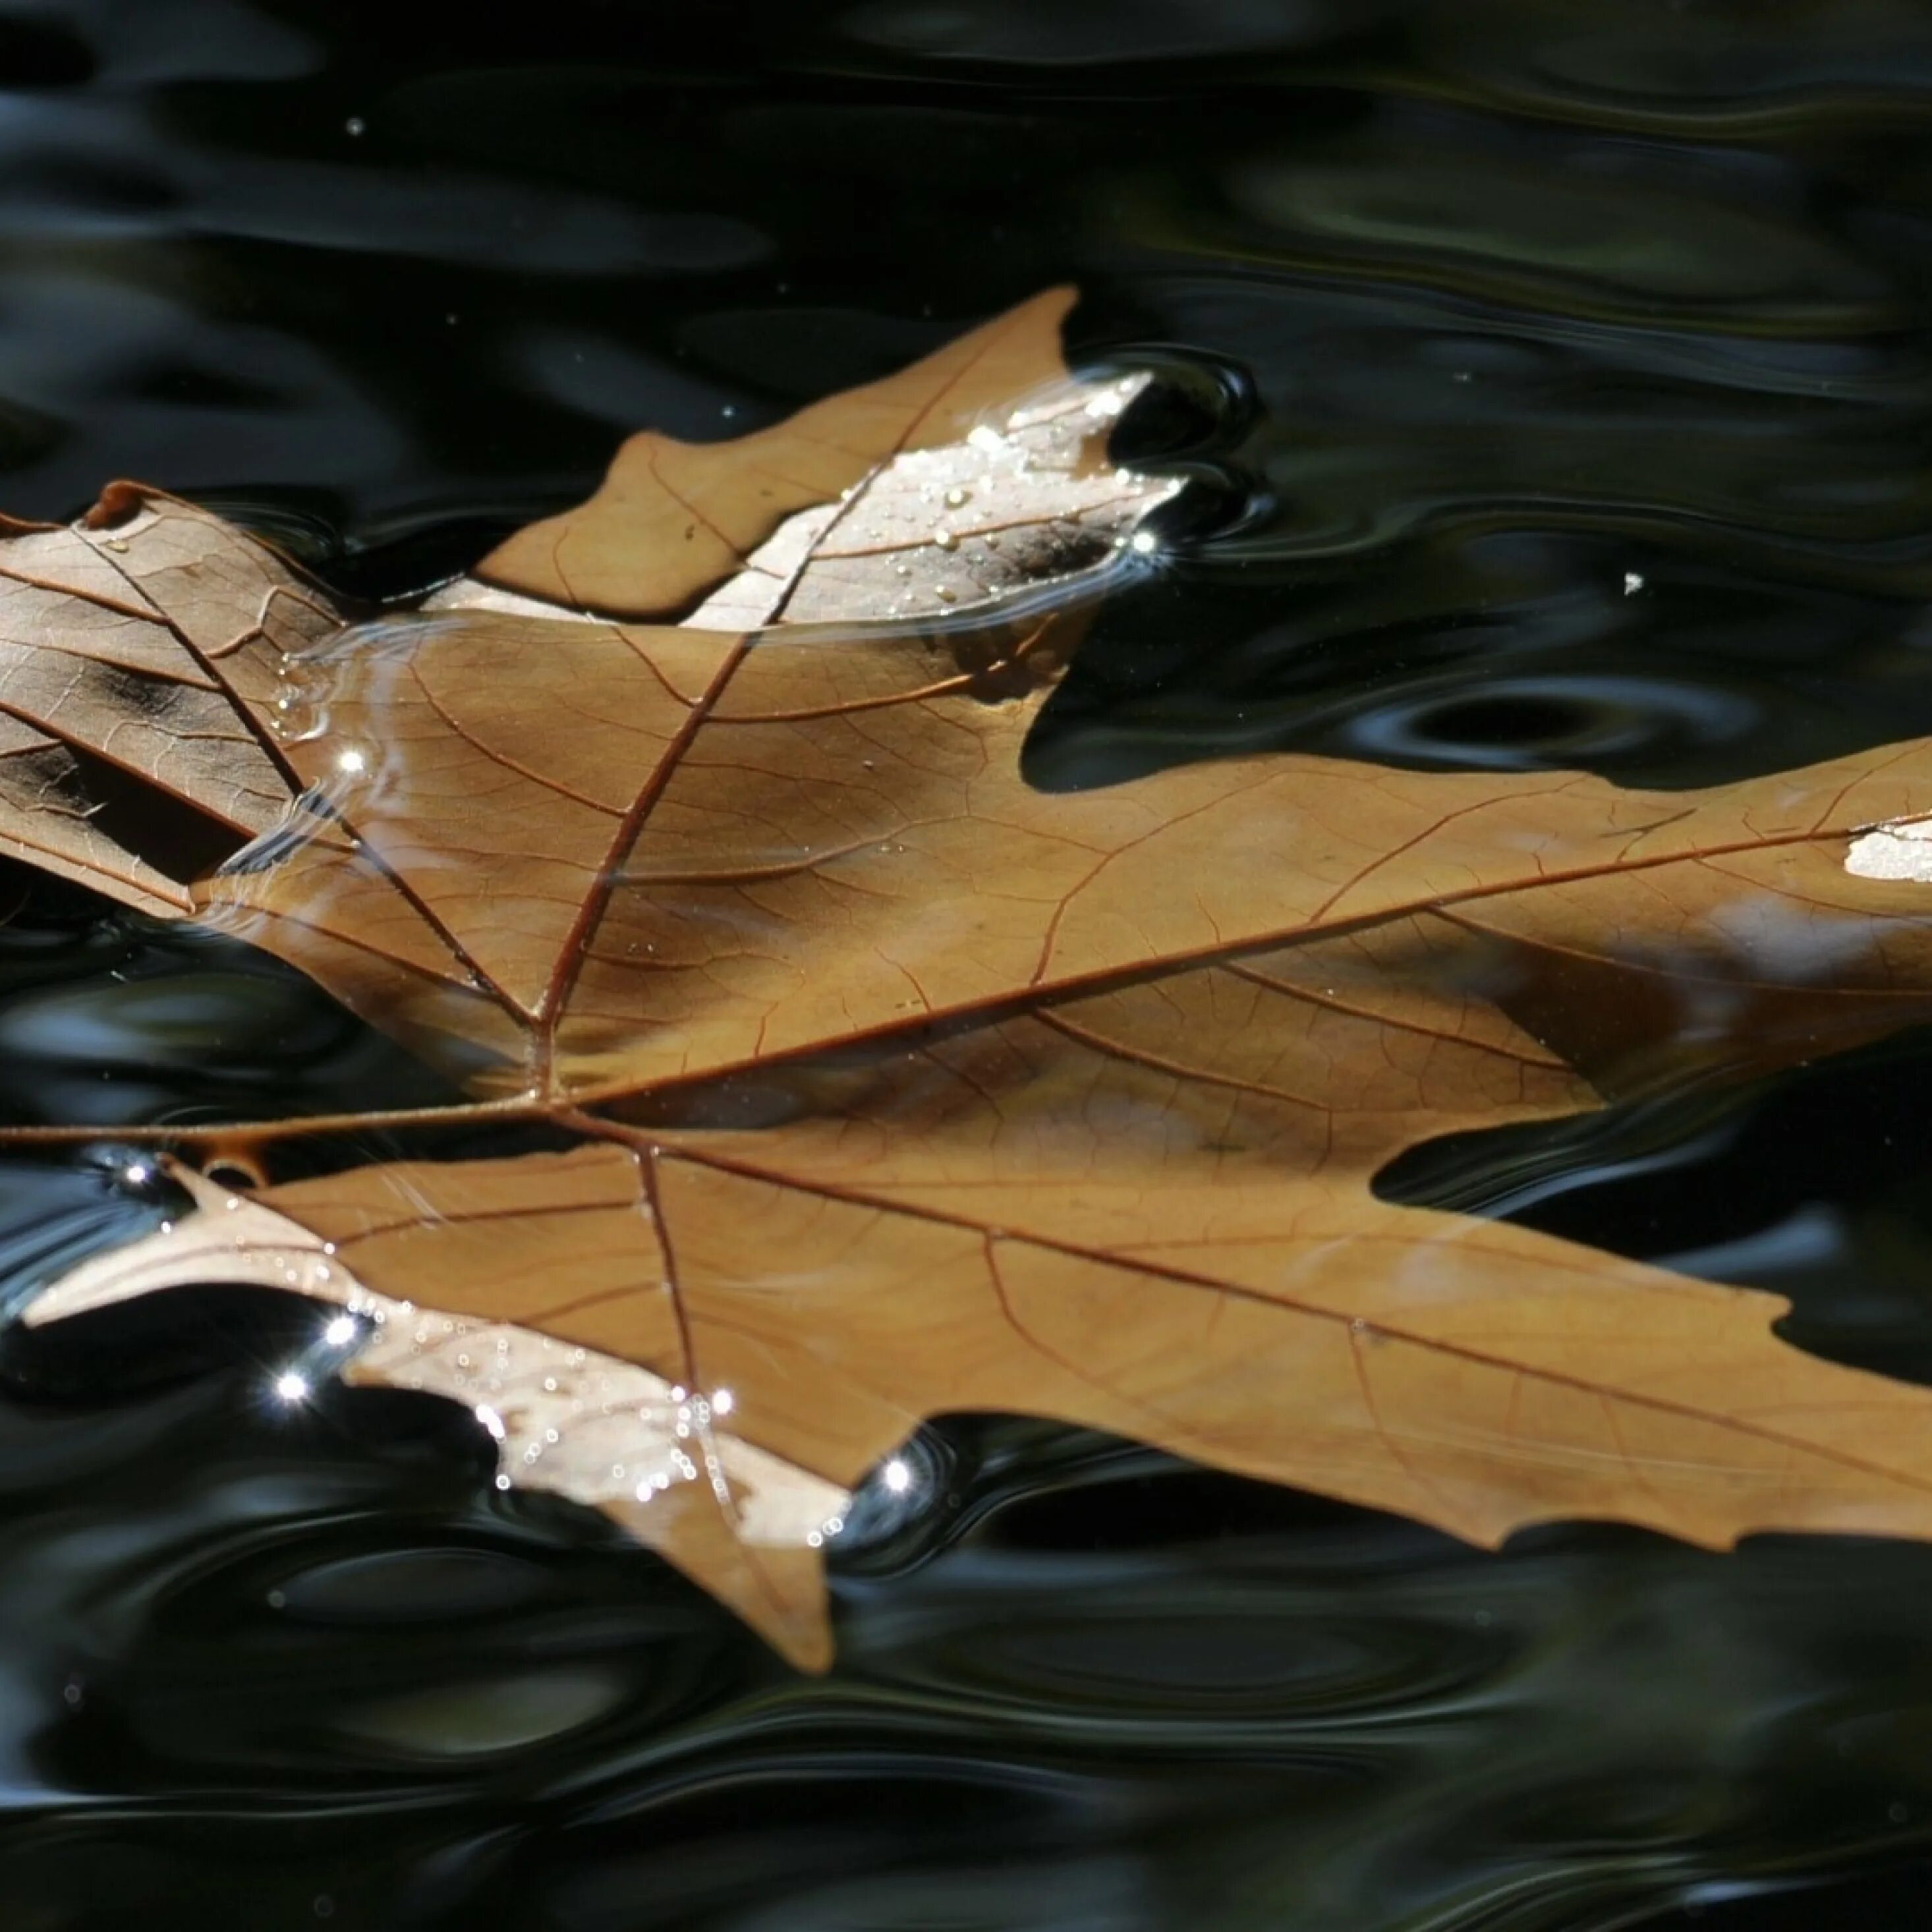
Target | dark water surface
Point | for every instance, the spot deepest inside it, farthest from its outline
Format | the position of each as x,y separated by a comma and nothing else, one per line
1558,382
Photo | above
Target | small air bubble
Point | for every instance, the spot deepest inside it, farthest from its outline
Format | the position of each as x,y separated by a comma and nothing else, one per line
957,499
947,594
945,540
355,127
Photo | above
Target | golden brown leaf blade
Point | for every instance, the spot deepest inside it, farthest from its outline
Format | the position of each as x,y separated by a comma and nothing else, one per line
944,1094
140,656
674,519
1146,1211
505,802
833,838
569,1241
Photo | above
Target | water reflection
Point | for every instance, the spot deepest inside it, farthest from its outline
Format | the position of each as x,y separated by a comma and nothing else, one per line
1260,1709
1555,391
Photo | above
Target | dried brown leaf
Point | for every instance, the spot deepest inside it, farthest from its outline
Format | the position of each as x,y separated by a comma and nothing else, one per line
1147,1210
904,1088
675,520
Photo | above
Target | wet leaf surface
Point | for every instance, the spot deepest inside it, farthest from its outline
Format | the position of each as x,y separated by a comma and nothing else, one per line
693,826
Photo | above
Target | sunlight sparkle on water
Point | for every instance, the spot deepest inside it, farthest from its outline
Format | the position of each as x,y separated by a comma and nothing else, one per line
340,1330
898,1478
291,1386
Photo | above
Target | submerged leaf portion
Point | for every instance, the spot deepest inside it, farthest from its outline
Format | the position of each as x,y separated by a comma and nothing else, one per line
694,825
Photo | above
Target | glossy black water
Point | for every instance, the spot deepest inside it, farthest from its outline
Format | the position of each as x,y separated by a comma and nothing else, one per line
1555,381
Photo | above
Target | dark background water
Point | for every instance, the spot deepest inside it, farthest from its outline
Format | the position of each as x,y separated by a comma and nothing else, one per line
1557,380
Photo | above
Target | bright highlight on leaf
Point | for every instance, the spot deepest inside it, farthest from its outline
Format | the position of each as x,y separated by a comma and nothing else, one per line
693,825
1901,851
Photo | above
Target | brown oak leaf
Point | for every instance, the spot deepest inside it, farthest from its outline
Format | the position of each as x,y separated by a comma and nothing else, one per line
694,824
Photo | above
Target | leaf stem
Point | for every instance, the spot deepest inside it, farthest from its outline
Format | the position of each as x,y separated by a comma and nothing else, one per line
463,1113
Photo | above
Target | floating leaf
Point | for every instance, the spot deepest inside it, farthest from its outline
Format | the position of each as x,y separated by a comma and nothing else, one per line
693,825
